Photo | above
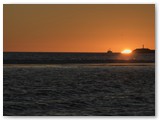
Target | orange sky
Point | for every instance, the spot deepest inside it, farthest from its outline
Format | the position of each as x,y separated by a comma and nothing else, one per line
78,28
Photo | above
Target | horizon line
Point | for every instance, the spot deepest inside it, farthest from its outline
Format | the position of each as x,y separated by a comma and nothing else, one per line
58,52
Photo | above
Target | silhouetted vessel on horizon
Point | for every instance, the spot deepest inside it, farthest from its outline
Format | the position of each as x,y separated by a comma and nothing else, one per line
109,52
143,50
137,50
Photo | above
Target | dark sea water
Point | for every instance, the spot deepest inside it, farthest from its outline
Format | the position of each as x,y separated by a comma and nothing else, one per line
93,89
61,58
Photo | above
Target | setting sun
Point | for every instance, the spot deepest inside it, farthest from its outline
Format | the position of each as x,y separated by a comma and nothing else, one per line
126,51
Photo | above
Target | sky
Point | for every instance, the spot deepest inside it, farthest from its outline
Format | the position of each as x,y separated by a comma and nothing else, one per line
78,28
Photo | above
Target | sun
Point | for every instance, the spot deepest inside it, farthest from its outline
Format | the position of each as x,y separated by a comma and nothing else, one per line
126,51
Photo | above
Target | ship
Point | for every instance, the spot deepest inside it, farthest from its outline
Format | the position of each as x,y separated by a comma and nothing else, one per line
109,52
143,50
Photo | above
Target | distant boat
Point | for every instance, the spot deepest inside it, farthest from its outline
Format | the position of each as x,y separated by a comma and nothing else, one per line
143,50
109,52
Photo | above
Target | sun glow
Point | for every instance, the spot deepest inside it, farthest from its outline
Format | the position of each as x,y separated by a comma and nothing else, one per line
126,51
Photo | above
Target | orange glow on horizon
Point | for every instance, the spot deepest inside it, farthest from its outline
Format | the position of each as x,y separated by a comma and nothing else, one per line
77,27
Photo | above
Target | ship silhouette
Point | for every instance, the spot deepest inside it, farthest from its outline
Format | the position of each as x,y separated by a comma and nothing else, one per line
143,50
109,51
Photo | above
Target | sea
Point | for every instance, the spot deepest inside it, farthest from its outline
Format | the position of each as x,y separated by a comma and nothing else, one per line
78,84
